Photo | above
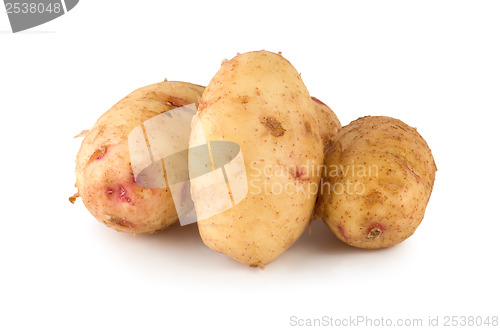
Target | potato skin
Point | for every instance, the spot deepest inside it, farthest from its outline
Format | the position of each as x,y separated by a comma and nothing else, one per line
391,182
259,101
104,175
329,123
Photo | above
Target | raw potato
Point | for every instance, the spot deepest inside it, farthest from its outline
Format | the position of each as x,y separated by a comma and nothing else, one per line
380,175
329,124
104,175
259,101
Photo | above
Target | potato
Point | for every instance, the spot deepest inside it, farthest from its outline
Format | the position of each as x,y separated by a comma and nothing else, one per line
104,175
329,124
259,101
378,178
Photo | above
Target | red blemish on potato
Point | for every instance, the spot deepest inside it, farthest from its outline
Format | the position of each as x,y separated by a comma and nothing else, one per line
317,101
412,172
342,231
300,173
122,193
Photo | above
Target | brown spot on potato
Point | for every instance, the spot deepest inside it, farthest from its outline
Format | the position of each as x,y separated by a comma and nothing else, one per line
98,154
173,100
122,222
273,126
308,127
165,99
317,101
375,231
243,99
373,197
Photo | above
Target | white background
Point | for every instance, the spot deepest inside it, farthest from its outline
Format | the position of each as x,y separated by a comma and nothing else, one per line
433,64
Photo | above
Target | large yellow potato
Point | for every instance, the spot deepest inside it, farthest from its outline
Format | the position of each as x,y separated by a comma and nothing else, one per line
259,101
379,177
104,175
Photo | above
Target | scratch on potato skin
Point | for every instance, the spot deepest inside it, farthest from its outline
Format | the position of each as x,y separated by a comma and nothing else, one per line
122,222
273,126
165,99
341,230
98,154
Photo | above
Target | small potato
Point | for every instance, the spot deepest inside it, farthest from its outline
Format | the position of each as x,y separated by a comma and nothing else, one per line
329,124
378,177
104,176
259,101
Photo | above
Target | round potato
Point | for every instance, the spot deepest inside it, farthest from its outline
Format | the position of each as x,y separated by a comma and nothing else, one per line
104,176
377,180
259,101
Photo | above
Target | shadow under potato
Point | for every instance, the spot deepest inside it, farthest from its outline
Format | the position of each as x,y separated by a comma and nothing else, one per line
176,236
316,245
320,239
